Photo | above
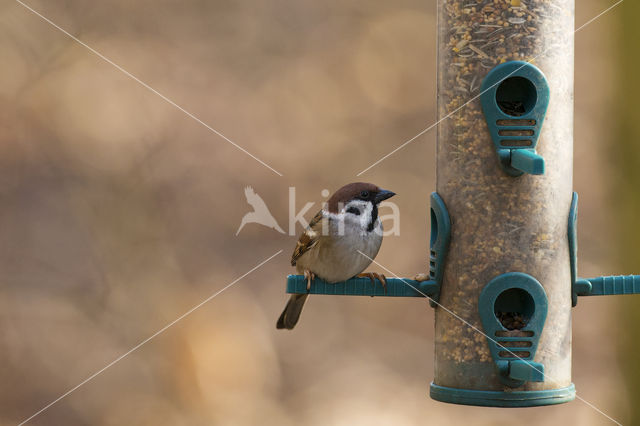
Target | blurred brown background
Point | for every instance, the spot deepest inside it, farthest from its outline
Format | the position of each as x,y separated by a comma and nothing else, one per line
118,212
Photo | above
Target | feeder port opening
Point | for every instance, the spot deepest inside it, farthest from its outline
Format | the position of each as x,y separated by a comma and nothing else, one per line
516,96
514,308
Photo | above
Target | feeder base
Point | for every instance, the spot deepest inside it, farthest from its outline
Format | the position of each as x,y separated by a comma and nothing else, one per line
502,399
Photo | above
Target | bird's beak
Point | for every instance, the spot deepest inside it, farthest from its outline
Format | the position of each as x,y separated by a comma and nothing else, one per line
383,194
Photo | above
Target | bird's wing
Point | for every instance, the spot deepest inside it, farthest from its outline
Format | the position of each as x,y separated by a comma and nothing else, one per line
309,238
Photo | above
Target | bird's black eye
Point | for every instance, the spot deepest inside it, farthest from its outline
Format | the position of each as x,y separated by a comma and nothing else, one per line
364,194
354,211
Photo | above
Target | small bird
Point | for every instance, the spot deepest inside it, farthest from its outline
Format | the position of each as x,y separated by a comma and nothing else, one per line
260,213
333,245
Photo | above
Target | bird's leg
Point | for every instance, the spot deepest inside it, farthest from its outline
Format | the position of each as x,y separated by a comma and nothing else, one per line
375,276
383,281
310,276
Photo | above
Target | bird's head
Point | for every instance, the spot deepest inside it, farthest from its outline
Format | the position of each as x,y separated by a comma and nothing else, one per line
355,198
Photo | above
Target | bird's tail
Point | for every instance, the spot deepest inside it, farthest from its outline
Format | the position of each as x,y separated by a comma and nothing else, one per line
289,317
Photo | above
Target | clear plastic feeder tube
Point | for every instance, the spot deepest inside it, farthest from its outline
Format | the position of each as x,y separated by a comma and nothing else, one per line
502,223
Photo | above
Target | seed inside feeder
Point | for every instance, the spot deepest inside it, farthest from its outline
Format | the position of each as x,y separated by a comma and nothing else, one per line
512,108
512,320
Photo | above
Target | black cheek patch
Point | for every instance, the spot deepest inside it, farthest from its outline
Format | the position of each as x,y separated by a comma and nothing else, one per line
354,211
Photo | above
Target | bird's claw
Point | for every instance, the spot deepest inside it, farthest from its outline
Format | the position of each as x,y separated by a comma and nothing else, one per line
422,277
375,276
310,276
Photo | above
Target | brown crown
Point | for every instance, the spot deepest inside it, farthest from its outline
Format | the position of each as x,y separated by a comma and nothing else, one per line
348,192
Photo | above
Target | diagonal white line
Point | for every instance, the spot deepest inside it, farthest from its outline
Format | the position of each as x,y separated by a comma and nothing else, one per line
598,410
473,327
407,142
598,15
163,329
145,85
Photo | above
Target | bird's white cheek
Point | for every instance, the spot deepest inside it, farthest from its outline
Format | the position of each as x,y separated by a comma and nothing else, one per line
379,230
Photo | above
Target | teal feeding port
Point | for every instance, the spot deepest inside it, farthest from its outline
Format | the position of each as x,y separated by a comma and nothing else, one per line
515,97
514,301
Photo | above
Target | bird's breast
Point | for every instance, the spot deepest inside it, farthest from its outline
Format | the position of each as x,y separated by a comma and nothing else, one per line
341,255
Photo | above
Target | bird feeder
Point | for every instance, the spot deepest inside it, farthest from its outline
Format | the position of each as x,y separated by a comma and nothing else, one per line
503,248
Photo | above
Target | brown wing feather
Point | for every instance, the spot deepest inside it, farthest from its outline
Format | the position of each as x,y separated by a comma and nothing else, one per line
308,239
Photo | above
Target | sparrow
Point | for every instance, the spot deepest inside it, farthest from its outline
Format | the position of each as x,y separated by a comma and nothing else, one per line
339,243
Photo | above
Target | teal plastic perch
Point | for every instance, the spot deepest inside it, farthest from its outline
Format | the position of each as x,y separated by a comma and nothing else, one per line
608,286
599,286
526,160
396,287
